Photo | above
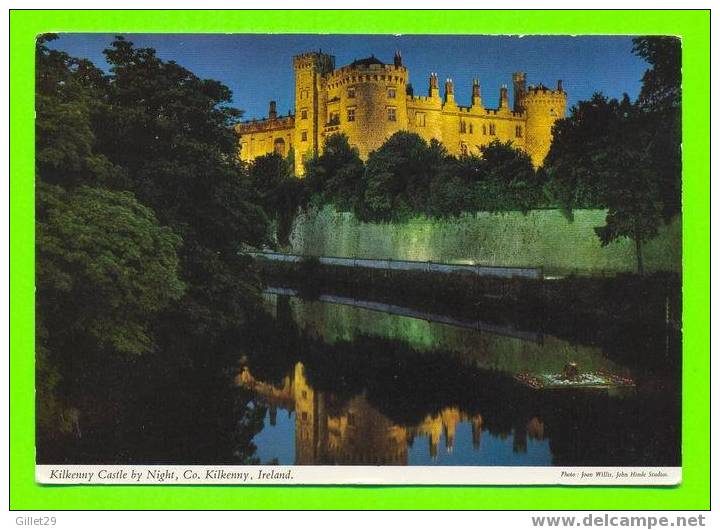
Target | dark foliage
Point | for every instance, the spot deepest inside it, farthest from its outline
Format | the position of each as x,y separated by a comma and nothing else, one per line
625,156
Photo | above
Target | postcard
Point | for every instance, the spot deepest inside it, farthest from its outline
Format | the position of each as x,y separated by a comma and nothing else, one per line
343,259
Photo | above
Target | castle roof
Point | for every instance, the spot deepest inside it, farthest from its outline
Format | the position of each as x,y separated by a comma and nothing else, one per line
367,61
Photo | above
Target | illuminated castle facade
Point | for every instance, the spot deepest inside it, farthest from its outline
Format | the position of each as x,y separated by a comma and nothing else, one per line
369,101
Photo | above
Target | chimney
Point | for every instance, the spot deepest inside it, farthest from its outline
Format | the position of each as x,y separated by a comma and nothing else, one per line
476,98
397,60
559,85
449,91
503,97
433,91
272,113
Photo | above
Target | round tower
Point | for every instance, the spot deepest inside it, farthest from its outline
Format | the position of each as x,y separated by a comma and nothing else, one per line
370,97
543,106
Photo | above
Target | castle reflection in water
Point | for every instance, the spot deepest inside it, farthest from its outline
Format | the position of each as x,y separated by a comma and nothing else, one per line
355,432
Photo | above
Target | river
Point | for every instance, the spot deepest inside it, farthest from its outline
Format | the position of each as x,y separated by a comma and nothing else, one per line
334,380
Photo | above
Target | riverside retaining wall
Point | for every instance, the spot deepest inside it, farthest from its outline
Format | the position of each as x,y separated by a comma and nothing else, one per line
541,238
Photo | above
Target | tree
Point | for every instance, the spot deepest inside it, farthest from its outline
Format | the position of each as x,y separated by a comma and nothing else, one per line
660,101
280,193
172,133
509,181
336,176
631,185
603,156
105,267
398,177
661,88
68,92
577,139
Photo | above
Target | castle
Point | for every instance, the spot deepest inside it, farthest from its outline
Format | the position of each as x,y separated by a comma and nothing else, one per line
369,101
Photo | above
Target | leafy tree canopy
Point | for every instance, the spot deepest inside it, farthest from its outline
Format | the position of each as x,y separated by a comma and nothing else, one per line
398,177
280,193
336,176
104,266
661,88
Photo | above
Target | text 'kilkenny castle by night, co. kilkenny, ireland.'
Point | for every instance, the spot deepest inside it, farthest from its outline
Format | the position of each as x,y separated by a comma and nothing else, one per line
369,101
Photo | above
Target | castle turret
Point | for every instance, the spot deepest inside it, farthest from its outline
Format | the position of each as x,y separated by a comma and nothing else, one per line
476,97
504,97
543,107
311,71
272,112
449,91
433,90
367,101
519,89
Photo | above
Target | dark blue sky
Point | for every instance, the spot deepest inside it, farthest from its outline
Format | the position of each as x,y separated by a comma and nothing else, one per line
258,68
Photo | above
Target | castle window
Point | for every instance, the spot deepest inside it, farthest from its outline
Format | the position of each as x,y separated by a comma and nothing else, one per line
470,128
303,136
492,129
303,114
392,114
518,131
350,114
464,149
279,146
304,416
463,127
351,92
391,93
484,130
304,394
334,118
420,119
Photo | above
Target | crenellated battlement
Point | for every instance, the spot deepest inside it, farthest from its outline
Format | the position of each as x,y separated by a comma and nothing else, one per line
323,62
535,92
386,73
265,124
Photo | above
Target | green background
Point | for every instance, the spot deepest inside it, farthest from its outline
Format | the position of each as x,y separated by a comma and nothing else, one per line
693,493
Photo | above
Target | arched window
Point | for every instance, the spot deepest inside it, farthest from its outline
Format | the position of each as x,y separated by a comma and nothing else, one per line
463,149
492,129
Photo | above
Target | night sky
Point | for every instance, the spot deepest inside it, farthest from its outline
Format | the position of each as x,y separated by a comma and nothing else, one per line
258,68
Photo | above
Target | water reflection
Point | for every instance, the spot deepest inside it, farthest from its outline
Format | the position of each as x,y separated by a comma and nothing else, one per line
337,382
346,384
355,432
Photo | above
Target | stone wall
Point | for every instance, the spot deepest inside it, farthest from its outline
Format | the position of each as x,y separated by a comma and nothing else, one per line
542,238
